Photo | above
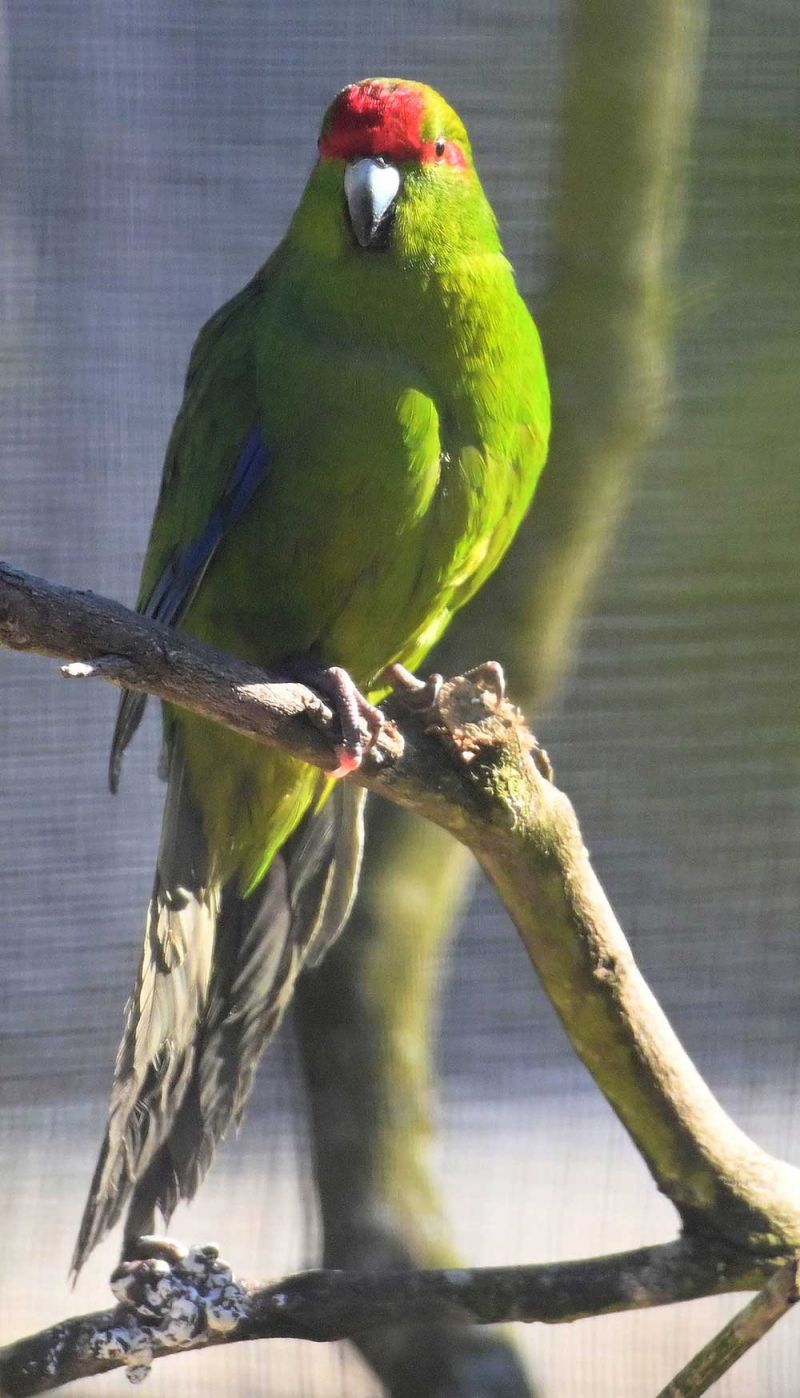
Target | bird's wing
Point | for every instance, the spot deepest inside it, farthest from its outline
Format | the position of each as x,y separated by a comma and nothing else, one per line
514,479
210,477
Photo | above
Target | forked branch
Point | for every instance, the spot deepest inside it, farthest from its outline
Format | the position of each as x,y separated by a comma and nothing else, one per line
476,771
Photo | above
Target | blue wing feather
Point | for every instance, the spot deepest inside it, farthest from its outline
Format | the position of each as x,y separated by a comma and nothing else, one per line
177,587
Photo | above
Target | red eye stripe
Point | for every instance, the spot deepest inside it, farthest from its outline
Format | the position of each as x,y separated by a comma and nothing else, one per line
370,119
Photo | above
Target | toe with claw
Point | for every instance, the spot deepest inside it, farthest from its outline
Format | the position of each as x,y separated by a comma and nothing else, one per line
489,675
468,712
419,695
423,695
358,718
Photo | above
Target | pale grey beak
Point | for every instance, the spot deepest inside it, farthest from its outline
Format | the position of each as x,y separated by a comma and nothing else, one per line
370,188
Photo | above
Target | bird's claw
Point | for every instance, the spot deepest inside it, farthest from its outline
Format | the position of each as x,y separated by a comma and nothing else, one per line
489,676
350,759
419,695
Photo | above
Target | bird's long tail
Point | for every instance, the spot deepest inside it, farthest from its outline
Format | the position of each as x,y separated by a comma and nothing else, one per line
217,971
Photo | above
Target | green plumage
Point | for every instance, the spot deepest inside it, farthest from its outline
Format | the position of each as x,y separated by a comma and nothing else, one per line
403,403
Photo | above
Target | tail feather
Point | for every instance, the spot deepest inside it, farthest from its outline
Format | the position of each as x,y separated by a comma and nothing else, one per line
155,1060
129,716
303,905
217,971
343,870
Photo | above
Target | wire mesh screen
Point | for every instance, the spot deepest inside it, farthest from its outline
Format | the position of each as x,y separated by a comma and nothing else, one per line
153,154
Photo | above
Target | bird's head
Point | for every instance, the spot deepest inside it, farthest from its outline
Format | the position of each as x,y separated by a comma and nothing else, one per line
396,171
384,133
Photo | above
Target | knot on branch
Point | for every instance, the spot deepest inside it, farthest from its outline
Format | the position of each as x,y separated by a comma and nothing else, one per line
473,718
12,634
489,736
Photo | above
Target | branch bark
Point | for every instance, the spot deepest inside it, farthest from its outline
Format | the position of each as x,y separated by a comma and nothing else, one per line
477,772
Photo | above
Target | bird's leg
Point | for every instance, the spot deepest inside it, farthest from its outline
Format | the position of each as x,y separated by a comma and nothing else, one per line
354,712
140,1221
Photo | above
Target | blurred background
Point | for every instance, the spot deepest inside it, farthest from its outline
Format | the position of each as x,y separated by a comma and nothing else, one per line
644,162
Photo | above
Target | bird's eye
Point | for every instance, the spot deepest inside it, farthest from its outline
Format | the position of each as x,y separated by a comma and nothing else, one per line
439,148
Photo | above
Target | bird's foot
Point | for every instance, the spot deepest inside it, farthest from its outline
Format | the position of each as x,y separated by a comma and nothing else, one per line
423,695
469,713
419,695
167,1295
360,721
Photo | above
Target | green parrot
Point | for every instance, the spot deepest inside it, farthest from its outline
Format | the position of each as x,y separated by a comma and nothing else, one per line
361,432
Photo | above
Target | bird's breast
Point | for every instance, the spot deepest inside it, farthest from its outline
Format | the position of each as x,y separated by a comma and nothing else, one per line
381,500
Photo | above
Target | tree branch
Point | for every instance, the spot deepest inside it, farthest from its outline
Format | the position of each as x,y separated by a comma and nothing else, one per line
136,653
477,772
324,1306
472,773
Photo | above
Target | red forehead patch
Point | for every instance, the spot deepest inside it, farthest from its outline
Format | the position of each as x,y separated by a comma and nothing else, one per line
382,119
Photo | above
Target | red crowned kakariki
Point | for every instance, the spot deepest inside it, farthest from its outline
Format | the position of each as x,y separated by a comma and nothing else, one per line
361,432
